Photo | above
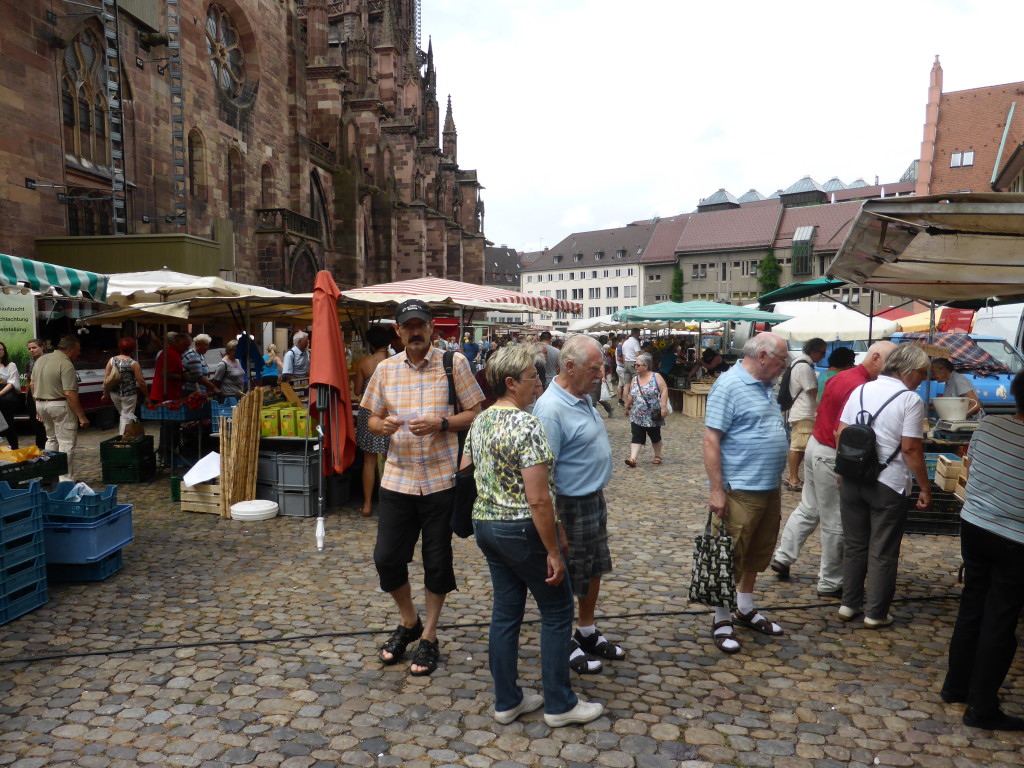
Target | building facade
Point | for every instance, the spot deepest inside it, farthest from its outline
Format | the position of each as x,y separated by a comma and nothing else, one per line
600,269
260,139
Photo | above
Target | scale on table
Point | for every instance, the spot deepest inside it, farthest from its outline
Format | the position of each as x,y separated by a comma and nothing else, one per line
954,429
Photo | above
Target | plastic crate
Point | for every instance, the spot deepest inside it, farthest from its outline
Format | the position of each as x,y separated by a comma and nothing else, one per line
21,511
297,503
266,467
298,470
266,492
141,473
22,601
221,409
98,571
933,523
58,509
118,451
24,574
21,549
50,464
89,542
165,413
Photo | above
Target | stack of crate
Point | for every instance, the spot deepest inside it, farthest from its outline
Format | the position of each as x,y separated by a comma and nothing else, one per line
290,479
128,461
23,585
85,537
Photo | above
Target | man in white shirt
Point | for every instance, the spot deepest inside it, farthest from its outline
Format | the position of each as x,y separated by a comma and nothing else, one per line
630,351
296,360
803,388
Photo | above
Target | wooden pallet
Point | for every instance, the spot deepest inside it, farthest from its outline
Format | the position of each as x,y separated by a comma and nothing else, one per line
204,497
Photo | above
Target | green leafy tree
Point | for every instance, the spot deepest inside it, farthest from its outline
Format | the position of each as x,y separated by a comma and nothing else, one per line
677,285
768,273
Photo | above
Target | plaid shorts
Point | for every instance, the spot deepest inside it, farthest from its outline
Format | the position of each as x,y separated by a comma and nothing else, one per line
586,525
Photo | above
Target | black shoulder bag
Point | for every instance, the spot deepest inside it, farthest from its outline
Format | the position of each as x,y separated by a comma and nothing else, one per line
461,521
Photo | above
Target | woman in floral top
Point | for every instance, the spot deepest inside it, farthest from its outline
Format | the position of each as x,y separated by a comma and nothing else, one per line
514,520
647,406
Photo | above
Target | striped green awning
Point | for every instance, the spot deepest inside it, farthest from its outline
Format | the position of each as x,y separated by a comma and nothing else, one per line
39,276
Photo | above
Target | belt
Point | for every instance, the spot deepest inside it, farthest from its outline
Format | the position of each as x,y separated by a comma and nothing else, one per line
579,498
50,399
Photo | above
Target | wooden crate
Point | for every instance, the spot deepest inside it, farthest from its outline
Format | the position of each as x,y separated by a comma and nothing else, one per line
694,404
204,497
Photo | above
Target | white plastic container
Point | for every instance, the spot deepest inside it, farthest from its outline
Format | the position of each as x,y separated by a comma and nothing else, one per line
257,509
951,408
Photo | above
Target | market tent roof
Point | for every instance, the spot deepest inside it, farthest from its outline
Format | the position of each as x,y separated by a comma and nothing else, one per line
960,248
434,290
297,308
39,276
802,290
835,324
162,285
696,311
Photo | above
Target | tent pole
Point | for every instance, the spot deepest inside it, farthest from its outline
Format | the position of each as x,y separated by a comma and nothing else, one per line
871,316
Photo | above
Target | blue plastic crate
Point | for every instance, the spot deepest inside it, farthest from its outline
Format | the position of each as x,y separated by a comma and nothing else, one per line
21,549
164,413
20,575
221,409
89,542
13,500
22,601
21,511
59,510
98,571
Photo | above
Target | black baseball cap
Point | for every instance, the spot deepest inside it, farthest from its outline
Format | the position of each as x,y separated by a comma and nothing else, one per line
413,309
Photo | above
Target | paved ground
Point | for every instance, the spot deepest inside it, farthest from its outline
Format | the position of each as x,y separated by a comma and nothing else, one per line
174,661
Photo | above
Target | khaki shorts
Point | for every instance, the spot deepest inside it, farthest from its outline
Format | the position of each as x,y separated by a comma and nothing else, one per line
799,433
753,523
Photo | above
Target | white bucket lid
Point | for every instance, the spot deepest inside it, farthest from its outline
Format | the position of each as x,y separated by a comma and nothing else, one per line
257,509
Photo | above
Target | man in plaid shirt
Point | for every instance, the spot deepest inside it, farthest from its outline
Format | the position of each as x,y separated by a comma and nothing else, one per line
407,398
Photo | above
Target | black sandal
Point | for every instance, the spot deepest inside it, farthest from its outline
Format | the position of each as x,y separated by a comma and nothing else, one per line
581,664
399,641
427,654
596,645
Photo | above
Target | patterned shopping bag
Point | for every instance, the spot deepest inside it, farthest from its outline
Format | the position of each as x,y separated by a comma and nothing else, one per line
713,581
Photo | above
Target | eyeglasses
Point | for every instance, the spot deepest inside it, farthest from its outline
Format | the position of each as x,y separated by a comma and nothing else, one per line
530,378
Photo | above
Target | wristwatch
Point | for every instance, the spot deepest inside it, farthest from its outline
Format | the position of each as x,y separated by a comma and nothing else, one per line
444,424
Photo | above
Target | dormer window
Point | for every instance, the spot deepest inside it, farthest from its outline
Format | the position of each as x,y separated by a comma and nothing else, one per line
577,257
598,255
620,254
558,258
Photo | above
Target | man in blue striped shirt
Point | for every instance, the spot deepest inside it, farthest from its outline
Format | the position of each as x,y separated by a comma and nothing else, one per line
745,451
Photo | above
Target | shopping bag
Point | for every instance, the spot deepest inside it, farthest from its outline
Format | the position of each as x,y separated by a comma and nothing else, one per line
461,521
606,393
713,582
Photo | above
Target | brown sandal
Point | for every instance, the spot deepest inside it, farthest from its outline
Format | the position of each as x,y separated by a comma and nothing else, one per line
720,638
762,625
631,463
656,460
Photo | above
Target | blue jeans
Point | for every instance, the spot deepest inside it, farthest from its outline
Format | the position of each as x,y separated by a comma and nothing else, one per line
518,561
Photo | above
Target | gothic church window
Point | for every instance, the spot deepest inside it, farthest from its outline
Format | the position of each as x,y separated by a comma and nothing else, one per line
224,47
236,181
196,165
83,103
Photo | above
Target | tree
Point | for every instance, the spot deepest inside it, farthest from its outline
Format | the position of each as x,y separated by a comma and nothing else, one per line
768,273
677,285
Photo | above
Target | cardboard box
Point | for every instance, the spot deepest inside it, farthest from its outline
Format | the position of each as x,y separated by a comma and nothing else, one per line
302,424
287,422
270,425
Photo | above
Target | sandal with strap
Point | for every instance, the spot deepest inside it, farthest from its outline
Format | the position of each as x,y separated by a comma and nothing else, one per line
597,645
631,463
757,622
656,460
581,663
426,656
399,641
720,638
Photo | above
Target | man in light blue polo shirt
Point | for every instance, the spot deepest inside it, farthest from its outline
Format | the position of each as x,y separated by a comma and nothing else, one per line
583,467
745,451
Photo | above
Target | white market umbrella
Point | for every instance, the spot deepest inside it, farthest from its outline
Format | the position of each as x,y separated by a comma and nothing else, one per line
834,324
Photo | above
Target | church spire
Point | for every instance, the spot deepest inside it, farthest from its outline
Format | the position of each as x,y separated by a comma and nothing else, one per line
387,30
450,147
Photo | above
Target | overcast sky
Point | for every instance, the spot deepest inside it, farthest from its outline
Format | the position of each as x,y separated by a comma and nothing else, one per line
588,114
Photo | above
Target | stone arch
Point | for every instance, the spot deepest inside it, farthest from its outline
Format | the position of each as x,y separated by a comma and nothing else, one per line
197,165
302,270
268,197
236,180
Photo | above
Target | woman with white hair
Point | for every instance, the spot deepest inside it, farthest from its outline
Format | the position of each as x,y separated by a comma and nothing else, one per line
228,375
647,406
874,513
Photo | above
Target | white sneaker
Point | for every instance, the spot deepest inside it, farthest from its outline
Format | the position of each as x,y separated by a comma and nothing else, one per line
529,703
877,623
846,613
583,712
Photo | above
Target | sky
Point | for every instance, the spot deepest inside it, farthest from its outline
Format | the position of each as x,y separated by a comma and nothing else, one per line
581,115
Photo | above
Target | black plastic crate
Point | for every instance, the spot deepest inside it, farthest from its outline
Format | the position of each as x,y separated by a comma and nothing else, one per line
125,453
98,571
50,464
130,473
937,524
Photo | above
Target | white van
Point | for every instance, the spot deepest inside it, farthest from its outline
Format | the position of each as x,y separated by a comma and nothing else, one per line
1004,322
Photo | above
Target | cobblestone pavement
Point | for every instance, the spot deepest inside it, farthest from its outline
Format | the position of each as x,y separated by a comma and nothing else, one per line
174,661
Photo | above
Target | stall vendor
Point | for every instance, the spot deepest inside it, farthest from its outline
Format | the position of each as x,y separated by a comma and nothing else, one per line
957,385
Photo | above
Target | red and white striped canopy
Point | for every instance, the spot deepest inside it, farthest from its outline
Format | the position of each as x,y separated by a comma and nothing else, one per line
434,290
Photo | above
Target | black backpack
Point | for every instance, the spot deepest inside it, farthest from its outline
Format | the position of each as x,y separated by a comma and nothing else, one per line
786,400
857,451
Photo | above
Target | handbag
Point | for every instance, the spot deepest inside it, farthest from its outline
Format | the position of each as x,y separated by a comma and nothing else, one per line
461,521
712,581
112,380
606,393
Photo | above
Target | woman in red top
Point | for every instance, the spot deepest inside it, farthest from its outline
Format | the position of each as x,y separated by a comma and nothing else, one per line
169,375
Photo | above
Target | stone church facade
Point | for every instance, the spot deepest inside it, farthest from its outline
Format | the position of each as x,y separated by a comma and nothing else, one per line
257,139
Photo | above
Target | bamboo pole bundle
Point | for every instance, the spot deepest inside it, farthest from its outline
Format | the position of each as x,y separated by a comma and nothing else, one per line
226,442
239,453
